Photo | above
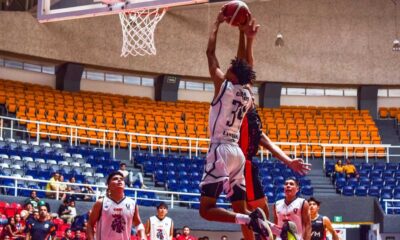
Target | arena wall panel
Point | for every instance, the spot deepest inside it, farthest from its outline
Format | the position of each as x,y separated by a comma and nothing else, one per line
340,42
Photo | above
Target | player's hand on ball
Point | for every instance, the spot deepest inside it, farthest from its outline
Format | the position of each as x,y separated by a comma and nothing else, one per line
250,28
221,17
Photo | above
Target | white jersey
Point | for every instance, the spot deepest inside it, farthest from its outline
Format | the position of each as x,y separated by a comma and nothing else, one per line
160,229
115,220
227,111
291,212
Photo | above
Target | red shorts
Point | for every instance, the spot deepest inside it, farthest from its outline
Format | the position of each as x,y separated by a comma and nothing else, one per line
254,187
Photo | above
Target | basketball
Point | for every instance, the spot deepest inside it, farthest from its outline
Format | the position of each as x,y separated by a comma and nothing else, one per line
236,12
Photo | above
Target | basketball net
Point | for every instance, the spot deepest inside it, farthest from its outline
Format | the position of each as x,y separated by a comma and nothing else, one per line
138,31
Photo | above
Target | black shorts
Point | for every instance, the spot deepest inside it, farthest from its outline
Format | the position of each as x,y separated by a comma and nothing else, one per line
254,187
214,190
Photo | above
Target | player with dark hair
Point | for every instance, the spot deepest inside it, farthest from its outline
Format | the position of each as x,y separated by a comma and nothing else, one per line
291,214
224,170
42,228
160,227
319,224
114,214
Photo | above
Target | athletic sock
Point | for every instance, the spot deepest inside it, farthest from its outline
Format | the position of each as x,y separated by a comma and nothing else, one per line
242,219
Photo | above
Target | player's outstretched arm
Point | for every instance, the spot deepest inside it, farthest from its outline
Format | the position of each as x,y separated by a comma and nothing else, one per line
297,164
137,222
249,29
213,65
328,226
94,216
306,220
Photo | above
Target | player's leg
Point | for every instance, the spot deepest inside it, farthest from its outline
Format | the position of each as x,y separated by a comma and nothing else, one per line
208,204
254,189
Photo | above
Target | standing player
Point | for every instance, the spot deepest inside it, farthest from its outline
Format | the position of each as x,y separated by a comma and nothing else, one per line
293,209
160,227
224,170
319,224
114,214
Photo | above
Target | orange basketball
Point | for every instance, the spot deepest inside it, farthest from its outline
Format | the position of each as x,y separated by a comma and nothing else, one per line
236,12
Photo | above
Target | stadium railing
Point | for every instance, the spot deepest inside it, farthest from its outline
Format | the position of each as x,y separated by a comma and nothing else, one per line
9,127
100,190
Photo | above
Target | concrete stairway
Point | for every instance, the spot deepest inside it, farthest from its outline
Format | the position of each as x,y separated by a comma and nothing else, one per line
322,185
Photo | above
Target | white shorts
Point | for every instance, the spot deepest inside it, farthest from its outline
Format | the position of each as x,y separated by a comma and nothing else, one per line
225,163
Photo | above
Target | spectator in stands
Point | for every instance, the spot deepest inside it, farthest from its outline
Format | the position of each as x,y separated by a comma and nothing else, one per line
53,185
10,230
68,234
186,234
339,169
130,179
87,189
29,208
224,237
32,217
74,189
42,228
33,199
350,170
78,235
19,226
67,211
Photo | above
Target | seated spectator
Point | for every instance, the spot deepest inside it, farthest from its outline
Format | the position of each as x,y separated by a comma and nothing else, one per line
33,199
130,179
74,189
67,211
186,234
68,235
10,230
339,169
78,235
53,185
87,189
19,226
350,170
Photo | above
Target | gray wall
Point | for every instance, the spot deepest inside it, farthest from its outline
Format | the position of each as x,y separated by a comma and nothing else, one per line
326,41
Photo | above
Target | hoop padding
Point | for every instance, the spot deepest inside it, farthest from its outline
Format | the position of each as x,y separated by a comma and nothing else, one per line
138,31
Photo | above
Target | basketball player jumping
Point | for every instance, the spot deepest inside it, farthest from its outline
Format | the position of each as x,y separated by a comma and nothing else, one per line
224,170
293,209
319,224
114,214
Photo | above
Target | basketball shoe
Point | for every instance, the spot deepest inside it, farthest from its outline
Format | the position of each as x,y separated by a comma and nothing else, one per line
258,223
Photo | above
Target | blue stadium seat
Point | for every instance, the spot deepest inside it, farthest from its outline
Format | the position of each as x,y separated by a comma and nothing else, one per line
376,173
377,182
374,191
340,183
307,190
379,166
279,180
392,166
352,182
348,191
388,173
366,166
270,196
390,182
361,191
364,173
280,196
364,181
329,168
387,190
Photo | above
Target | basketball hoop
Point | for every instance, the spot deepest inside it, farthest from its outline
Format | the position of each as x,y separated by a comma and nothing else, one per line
138,31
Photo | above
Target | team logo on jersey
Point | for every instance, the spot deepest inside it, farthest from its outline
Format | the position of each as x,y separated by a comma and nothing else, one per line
295,210
46,225
315,234
128,206
118,224
160,234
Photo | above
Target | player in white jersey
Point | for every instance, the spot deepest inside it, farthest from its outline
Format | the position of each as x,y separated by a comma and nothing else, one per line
293,209
225,160
113,215
160,227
